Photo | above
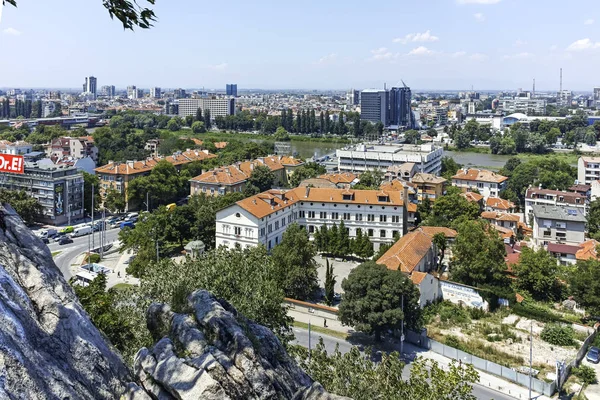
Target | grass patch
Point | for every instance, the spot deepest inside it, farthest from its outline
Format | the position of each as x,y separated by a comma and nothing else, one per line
55,253
122,286
325,331
482,350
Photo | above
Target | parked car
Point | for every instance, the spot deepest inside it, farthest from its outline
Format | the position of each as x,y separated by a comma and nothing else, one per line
67,229
46,240
84,230
132,216
593,355
127,224
65,240
47,233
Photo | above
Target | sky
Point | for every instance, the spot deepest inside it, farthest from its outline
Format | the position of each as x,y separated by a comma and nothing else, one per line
330,44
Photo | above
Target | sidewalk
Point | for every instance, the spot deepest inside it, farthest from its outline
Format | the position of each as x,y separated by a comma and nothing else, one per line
485,379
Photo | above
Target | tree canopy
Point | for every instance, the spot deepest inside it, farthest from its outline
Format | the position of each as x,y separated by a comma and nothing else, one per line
372,300
450,210
537,273
26,206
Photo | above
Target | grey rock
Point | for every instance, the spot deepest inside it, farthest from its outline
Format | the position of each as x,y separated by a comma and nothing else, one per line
49,349
215,353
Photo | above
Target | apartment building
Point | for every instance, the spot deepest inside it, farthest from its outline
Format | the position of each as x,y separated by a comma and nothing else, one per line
503,220
70,147
15,148
588,170
219,181
487,183
550,197
218,106
262,219
428,186
342,179
558,224
59,189
365,157
117,175
523,105
497,204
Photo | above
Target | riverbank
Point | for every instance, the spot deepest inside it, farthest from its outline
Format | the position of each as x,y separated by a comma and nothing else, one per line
486,160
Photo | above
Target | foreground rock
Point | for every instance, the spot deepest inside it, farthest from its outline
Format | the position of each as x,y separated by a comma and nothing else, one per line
214,353
49,349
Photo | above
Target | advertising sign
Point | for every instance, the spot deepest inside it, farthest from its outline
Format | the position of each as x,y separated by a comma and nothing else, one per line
10,163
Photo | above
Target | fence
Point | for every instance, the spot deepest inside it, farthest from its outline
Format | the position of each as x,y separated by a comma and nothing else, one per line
566,371
509,374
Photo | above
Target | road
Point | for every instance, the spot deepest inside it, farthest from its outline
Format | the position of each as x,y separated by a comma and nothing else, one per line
68,252
480,392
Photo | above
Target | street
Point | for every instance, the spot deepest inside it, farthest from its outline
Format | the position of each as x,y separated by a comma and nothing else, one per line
481,392
69,252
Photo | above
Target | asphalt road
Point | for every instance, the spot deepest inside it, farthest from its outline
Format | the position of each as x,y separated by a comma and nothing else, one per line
81,244
481,392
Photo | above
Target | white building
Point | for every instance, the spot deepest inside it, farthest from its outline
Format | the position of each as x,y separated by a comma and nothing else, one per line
365,157
488,183
219,107
262,219
553,197
15,148
556,224
588,170
155,92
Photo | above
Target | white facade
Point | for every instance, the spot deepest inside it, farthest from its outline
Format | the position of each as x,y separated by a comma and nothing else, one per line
364,157
219,107
486,189
588,170
523,105
554,197
237,226
16,148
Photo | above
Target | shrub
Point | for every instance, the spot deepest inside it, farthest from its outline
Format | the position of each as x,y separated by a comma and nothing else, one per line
586,373
94,258
477,313
558,335
452,341
536,313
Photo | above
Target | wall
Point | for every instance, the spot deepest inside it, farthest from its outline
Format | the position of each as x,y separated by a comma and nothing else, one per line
461,294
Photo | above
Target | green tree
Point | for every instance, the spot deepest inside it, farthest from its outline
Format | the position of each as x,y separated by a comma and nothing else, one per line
587,375
294,260
306,171
450,210
26,206
478,255
189,120
584,285
329,283
173,125
371,179
164,185
207,119
198,127
372,300
449,167
537,272
114,200
593,219
262,177
198,117
362,246
359,376
412,136
343,242
439,240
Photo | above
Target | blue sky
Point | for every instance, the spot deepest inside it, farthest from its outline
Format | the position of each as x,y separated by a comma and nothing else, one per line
331,44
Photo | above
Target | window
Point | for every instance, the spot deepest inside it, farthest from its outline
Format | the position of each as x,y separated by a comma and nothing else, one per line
547,233
302,214
289,218
276,240
311,229
322,215
371,217
238,231
283,221
370,232
269,245
382,233
262,232
561,225
359,217
395,233
396,218
238,215
270,228
276,225
346,216
383,218
311,214
480,185
226,229
335,215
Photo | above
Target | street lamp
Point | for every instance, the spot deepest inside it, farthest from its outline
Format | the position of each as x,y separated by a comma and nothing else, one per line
69,214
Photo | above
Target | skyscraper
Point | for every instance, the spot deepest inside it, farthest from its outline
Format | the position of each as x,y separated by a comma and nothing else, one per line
374,105
90,85
155,92
400,112
597,96
108,91
231,89
131,92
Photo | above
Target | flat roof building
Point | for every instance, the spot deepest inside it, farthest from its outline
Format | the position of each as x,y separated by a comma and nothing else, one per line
219,107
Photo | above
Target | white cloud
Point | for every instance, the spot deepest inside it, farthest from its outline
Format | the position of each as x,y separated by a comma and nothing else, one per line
589,21
478,57
327,59
521,55
478,1
218,67
381,54
583,44
479,17
459,54
418,37
11,31
520,42
420,51
553,47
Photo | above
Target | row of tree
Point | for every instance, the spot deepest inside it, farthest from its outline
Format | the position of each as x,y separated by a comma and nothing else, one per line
337,242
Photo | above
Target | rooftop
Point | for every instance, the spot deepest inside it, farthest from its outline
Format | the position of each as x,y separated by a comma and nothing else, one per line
562,248
560,213
472,196
230,175
568,197
421,177
138,167
496,202
344,177
479,175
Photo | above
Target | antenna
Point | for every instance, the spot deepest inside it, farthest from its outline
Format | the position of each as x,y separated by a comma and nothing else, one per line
533,94
403,84
384,88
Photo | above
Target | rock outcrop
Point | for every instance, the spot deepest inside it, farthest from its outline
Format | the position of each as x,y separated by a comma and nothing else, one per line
215,353
49,348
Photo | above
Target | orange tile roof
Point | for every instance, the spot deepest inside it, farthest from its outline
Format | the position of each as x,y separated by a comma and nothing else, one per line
343,177
479,175
417,277
272,162
139,167
587,250
412,207
422,178
289,160
498,216
472,196
432,230
267,203
407,252
496,202
230,175
218,145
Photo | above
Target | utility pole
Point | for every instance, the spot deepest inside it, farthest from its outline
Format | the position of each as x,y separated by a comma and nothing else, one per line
147,202
93,233
402,330
309,340
531,356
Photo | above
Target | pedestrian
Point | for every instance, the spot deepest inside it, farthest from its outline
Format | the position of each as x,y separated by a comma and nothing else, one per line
324,322
119,274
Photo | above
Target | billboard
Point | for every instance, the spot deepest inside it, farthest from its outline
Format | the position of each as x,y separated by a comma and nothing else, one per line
13,164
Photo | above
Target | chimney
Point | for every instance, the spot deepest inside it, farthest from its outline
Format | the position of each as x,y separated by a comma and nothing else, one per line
307,192
404,210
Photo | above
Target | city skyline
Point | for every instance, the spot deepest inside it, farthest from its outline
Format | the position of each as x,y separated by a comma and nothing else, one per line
456,45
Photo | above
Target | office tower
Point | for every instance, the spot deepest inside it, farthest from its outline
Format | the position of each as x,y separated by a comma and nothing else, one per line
155,93
400,112
597,96
231,89
353,97
108,91
131,91
219,107
139,93
374,105
179,93
89,87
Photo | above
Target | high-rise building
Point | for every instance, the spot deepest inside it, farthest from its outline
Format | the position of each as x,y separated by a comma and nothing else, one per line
89,87
231,89
155,92
131,92
219,107
400,111
353,97
597,96
108,91
564,97
179,93
374,105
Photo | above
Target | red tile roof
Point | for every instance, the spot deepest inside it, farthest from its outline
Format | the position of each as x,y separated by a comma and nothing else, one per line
479,175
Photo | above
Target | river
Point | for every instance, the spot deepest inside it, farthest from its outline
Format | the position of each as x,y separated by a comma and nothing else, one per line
481,160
